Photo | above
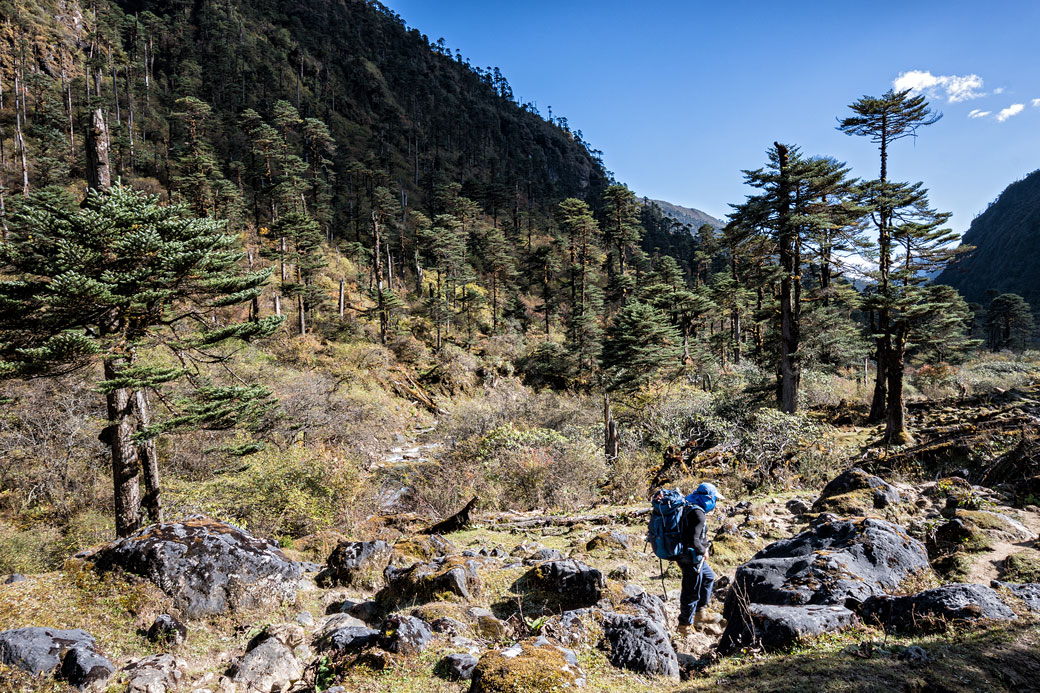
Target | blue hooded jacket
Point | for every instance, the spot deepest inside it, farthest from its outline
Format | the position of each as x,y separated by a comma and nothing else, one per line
704,497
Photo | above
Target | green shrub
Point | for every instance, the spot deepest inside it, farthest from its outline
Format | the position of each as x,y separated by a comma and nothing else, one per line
285,494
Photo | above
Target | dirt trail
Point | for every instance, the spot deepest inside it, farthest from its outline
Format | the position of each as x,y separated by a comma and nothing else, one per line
989,565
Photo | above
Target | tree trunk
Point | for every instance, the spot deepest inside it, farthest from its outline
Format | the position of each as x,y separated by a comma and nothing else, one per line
149,459
125,468
895,419
611,445
99,173
379,279
788,370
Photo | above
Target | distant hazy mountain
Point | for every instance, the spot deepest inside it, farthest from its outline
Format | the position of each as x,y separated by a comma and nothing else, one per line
687,215
1007,247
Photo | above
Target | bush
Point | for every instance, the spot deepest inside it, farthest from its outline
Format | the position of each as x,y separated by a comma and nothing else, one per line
515,469
285,494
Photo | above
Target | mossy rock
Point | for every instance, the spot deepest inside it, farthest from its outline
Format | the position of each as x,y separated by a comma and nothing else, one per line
532,670
453,578
1022,567
434,610
856,503
423,548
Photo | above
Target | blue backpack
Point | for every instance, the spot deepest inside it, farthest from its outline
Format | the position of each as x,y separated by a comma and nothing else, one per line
665,531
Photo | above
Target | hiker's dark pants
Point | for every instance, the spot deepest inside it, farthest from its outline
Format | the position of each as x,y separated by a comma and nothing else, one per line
696,592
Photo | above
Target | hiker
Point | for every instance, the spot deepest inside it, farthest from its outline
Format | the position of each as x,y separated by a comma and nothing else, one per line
698,579
678,531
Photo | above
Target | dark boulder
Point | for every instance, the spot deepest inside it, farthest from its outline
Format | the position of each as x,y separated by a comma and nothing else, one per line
640,644
647,604
406,635
459,667
357,564
421,582
13,578
780,627
572,582
82,666
1028,592
828,564
797,506
932,610
855,492
167,629
206,566
39,650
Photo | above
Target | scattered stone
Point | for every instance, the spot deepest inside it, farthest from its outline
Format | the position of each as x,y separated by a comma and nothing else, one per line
426,581
448,625
525,667
39,650
855,492
13,578
914,654
356,564
82,666
1028,592
347,639
406,635
268,666
780,627
289,634
207,567
154,674
933,609
459,666
569,627
305,619
337,621
167,629
639,644
368,611
620,573
575,583
542,555
828,564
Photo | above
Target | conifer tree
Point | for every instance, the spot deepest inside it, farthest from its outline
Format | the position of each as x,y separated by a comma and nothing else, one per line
120,274
893,116
1009,323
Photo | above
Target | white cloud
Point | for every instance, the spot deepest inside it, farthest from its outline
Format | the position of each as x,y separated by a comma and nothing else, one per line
976,113
998,90
954,87
1012,110
1036,103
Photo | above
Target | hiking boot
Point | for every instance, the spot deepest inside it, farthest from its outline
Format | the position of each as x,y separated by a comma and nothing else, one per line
704,617
684,629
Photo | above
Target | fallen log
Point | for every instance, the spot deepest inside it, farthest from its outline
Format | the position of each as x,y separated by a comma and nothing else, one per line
571,521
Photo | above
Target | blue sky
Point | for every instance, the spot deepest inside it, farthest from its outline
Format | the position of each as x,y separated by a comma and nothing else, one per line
681,96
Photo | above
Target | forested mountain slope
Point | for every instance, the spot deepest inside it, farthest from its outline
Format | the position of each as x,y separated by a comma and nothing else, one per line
1006,238
399,107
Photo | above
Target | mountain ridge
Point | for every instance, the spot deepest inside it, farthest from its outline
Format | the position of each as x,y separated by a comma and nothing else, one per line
1006,241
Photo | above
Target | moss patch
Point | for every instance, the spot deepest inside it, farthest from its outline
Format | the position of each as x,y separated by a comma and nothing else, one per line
534,670
731,550
859,502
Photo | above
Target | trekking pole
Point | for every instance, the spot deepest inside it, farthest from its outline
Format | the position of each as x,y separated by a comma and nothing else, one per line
664,590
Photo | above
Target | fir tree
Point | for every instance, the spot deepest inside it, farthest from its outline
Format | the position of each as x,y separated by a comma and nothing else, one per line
123,273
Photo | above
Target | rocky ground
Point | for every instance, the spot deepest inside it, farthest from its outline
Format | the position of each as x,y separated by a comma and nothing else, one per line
861,585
